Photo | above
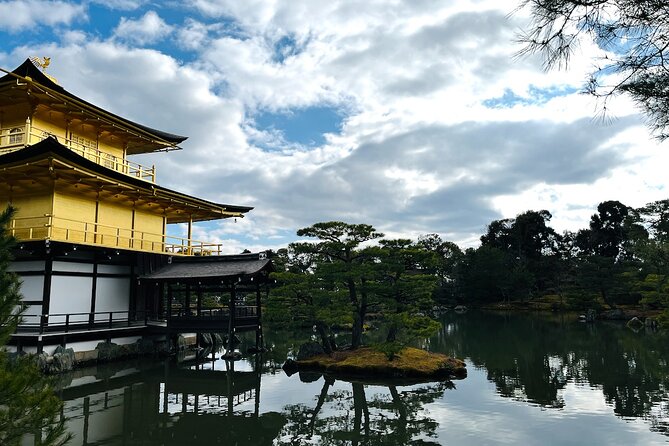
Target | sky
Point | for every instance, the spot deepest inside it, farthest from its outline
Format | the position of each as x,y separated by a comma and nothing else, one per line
413,116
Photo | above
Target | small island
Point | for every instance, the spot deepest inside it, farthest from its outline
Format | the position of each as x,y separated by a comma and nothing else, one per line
365,362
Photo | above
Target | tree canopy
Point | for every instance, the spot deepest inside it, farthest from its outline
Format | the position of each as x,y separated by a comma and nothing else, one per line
634,35
349,275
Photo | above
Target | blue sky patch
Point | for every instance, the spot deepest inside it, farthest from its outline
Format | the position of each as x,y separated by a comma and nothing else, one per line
537,96
286,47
305,126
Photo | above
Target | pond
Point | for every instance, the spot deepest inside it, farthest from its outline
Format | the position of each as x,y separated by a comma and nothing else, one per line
532,380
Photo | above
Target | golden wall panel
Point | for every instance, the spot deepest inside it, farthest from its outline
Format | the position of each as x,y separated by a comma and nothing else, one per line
115,225
73,216
31,219
148,231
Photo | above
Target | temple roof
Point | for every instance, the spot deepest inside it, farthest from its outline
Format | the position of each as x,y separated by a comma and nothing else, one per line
47,161
212,267
146,139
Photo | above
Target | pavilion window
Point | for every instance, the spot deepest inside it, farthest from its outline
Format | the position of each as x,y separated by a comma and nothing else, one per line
16,135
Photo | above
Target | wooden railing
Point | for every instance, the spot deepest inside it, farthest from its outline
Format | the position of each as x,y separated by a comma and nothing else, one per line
51,227
213,312
106,320
73,322
20,138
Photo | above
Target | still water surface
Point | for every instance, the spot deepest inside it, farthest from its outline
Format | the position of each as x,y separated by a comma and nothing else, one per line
532,380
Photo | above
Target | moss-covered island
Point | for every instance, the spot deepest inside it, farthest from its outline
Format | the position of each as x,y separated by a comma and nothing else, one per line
368,363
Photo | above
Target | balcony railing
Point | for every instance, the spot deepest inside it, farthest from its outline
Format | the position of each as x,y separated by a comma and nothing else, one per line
74,322
15,138
51,227
107,320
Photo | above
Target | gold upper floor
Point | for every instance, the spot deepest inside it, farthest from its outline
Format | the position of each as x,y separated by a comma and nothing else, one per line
16,135
33,107
64,166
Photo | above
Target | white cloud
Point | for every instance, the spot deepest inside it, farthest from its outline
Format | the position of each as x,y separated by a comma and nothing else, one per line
418,150
126,5
150,28
20,15
192,35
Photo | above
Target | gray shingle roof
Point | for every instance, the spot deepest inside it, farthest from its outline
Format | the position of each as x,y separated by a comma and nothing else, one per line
211,267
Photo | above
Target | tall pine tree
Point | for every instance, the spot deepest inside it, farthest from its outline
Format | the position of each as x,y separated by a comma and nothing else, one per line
28,405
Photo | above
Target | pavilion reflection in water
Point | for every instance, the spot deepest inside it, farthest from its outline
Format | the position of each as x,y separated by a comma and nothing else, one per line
170,404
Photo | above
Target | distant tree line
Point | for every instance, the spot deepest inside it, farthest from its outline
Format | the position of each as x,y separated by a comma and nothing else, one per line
350,275
621,258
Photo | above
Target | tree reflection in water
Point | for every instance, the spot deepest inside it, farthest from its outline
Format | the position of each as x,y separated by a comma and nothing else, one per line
531,361
351,417
531,358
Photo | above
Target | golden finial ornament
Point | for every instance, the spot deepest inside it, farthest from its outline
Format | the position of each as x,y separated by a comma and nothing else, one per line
43,63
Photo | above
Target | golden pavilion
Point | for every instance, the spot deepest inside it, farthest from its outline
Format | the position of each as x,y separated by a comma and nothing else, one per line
94,254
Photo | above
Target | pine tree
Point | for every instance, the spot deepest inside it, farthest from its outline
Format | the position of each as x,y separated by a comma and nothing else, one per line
28,405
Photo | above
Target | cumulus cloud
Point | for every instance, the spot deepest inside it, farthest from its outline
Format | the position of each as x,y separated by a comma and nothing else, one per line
150,28
20,15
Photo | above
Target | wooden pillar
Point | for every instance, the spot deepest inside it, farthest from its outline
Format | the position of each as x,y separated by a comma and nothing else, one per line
259,340
231,319
46,296
97,216
131,242
168,310
94,292
190,235
188,299
199,299
132,303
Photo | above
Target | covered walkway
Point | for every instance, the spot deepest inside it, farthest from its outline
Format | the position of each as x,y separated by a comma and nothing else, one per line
210,294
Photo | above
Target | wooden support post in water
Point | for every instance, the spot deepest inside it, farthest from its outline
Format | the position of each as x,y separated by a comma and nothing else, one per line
231,319
258,371
230,387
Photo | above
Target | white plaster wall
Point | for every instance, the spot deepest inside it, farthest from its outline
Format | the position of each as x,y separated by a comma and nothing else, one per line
72,267
32,310
114,269
36,265
113,294
70,295
32,287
